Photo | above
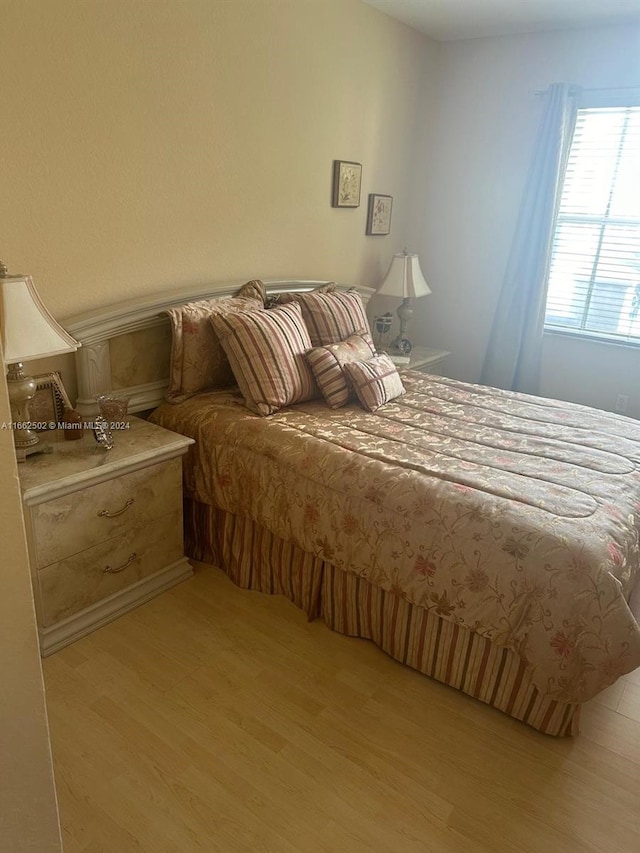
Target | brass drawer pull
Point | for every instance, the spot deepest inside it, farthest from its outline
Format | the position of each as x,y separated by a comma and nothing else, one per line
104,513
109,571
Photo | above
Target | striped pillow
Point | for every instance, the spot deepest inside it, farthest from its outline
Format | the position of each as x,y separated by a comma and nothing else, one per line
376,381
266,352
326,364
332,317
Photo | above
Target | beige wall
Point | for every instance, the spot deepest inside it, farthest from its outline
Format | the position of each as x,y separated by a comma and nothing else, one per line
28,811
486,118
165,143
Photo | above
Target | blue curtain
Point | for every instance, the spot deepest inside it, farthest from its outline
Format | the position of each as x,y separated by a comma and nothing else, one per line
515,347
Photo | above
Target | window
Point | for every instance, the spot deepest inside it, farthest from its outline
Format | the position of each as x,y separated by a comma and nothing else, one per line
594,277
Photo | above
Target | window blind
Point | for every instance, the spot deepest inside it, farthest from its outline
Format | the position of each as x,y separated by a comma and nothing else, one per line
594,276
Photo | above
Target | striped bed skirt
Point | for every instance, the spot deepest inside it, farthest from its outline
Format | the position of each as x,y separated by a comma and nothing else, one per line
254,558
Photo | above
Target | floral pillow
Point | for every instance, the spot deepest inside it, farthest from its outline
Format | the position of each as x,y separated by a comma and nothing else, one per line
198,361
375,381
266,352
327,363
288,297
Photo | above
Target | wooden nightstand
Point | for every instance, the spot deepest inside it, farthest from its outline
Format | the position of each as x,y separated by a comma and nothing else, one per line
425,360
104,527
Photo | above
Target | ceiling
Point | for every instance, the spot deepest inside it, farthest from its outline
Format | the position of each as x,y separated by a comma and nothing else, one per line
445,20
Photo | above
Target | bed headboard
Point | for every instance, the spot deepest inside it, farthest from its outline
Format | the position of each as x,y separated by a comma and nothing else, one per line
127,347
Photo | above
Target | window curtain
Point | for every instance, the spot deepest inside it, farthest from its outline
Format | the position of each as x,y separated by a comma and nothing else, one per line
515,347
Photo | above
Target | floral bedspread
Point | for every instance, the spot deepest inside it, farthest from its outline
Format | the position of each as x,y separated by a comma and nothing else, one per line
515,516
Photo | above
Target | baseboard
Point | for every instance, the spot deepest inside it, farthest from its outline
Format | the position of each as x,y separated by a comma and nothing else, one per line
62,633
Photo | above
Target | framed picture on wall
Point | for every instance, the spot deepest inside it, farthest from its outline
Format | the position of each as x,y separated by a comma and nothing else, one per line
379,214
347,179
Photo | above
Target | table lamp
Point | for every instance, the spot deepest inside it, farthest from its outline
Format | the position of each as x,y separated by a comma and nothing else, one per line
28,331
404,279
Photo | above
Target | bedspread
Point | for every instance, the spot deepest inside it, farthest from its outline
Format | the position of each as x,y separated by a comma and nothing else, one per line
515,516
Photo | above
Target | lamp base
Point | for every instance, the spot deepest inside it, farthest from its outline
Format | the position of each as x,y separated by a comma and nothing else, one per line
21,390
23,452
402,344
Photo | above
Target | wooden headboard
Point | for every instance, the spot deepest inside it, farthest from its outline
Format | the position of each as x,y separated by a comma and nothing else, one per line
127,347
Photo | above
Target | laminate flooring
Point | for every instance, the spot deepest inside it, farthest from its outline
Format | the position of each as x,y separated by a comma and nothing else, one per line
218,719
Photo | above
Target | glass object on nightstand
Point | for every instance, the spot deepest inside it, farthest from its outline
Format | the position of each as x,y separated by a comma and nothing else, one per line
114,409
382,327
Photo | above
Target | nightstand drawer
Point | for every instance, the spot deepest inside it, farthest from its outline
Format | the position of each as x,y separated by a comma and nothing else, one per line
71,524
69,585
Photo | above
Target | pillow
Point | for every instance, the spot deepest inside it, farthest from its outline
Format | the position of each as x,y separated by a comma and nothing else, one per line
266,352
375,381
198,361
332,317
326,364
287,297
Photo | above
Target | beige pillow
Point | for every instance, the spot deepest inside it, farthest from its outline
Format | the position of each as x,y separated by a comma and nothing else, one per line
375,381
326,364
198,361
286,298
266,352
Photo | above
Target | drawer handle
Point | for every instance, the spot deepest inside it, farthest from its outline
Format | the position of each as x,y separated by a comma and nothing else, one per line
104,513
109,571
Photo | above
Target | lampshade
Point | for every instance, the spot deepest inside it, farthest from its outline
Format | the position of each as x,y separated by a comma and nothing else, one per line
28,329
404,278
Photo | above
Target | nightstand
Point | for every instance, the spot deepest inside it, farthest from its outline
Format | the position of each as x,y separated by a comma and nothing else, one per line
424,359
104,527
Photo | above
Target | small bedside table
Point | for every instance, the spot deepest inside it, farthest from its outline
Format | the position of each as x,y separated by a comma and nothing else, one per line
104,527
425,359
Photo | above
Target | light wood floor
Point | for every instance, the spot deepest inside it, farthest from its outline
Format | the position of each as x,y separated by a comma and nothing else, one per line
216,719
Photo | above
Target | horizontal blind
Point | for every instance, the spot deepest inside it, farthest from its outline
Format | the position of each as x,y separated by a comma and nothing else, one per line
594,277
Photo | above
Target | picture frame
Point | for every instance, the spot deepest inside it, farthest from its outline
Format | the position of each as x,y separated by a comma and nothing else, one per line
379,215
49,402
347,181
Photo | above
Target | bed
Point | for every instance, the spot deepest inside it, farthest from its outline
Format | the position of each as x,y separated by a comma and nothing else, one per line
485,538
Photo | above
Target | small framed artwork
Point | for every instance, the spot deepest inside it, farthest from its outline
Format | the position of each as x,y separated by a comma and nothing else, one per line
379,214
50,400
347,178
